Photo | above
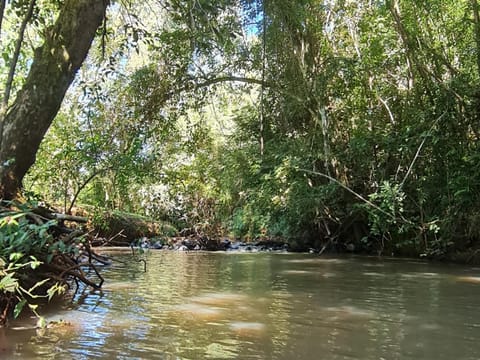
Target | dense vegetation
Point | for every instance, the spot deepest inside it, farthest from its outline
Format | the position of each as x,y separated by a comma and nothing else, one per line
352,124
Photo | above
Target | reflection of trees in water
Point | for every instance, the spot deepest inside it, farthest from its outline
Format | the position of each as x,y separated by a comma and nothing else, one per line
224,313
199,299
199,305
5,345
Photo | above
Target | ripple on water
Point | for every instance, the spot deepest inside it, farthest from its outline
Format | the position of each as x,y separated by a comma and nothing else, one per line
430,326
374,274
219,299
316,261
298,272
349,312
120,285
422,275
198,311
112,250
429,274
215,308
242,328
308,272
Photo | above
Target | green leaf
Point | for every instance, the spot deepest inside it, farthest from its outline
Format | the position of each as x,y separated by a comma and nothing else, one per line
41,322
34,263
9,283
18,308
55,289
15,256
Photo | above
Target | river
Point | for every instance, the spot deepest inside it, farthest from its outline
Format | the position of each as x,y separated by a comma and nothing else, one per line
200,305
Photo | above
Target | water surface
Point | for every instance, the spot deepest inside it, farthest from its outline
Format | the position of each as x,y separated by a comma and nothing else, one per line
264,306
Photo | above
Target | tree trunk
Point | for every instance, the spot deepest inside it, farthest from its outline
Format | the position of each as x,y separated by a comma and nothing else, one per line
52,71
476,21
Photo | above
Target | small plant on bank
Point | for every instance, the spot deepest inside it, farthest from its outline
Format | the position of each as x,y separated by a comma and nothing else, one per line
386,218
37,257
19,241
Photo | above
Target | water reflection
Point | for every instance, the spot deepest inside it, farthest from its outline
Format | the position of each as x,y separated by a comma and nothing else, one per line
264,306
469,279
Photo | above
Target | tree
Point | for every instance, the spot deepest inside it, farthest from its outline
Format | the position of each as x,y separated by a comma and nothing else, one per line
53,69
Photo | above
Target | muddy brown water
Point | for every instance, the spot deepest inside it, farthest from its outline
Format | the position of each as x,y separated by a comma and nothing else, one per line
264,306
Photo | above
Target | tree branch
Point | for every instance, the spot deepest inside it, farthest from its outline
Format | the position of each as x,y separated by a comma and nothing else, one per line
2,11
420,149
81,187
13,64
395,11
349,190
229,78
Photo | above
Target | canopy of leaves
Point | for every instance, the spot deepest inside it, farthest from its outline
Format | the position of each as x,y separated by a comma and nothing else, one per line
315,121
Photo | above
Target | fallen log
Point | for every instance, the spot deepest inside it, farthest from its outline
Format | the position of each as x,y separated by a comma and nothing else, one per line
51,215
65,217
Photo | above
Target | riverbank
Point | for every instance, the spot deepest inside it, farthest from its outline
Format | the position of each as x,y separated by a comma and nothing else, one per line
43,252
117,228
204,243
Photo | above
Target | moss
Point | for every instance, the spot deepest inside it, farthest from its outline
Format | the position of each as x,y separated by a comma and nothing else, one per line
123,228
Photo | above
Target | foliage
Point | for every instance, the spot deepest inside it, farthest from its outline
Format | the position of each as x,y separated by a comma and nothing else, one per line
24,248
281,119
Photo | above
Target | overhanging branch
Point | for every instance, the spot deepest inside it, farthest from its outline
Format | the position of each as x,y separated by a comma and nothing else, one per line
195,84
230,78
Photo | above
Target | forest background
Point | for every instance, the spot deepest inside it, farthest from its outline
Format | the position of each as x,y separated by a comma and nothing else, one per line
352,123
